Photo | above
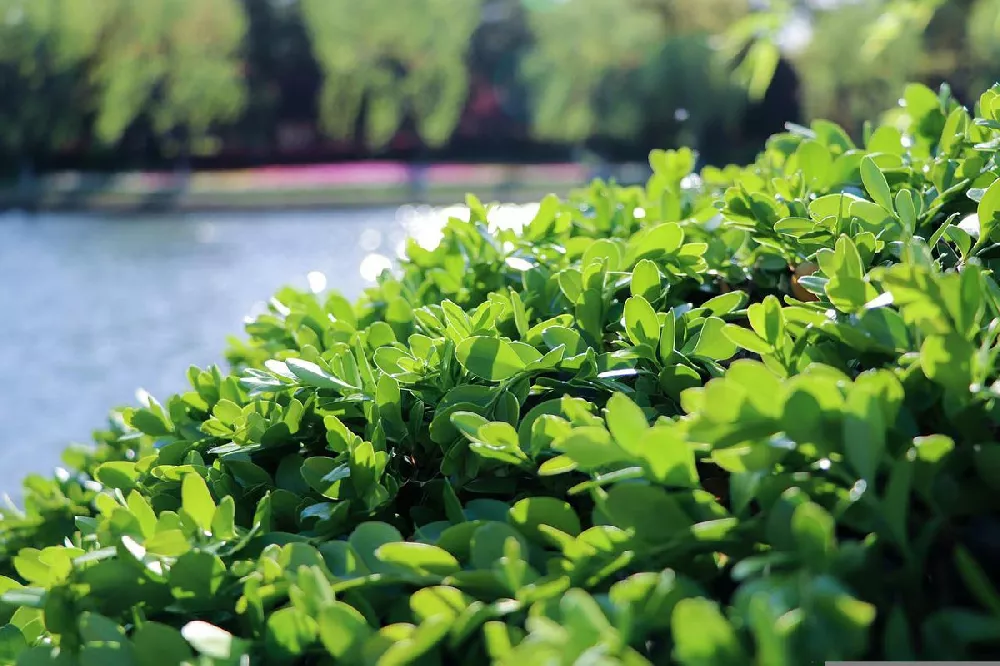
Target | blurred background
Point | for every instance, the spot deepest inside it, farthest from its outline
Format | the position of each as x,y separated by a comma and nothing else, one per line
166,164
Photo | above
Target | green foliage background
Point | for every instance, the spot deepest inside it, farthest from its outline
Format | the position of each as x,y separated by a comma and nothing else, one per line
736,416
188,72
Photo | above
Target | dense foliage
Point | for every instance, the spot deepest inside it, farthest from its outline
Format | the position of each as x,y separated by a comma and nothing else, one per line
165,77
746,416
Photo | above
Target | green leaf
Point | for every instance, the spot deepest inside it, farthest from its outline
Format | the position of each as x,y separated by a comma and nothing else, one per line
224,519
491,359
196,576
590,448
153,422
603,249
813,530
678,378
28,597
849,294
159,645
556,466
864,432
363,468
555,336
439,601
832,205
989,212
747,339
421,641
143,513
311,374
767,320
896,503
343,630
668,338
725,303
227,411
626,421
489,541
532,512
520,314
947,360
290,632
168,543
906,208
197,501
703,636
815,162
977,581
369,537
571,284
933,448
876,184
652,513
646,281
669,458
12,643
712,343
325,475
660,240
759,67
590,311
641,322
121,475
96,628
498,441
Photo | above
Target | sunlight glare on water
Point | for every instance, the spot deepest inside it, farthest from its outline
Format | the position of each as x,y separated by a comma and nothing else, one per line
426,224
374,265
317,281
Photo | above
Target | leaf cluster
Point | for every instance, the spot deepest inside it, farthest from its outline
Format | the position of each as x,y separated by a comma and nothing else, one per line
745,416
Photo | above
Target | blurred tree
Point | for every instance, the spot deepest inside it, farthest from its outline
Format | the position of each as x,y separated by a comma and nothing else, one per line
695,16
984,30
497,48
754,42
391,60
839,82
283,78
623,69
578,43
619,75
177,61
930,41
679,92
45,46
963,44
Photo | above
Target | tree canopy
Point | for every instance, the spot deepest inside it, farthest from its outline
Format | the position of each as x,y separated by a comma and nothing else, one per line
388,59
178,60
185,71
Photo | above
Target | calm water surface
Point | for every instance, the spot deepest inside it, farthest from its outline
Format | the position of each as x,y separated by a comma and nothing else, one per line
93,308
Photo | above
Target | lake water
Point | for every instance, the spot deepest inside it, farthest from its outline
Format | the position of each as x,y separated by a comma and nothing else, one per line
94,307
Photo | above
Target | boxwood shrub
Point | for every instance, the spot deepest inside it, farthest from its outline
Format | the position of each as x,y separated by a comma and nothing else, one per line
745,416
